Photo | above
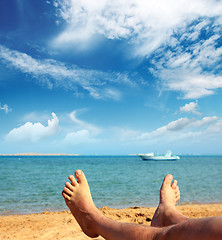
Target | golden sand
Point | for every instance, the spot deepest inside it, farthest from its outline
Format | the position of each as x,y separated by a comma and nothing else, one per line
62,225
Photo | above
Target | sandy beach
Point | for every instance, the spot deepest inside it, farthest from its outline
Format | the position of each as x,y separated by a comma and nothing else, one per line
61,225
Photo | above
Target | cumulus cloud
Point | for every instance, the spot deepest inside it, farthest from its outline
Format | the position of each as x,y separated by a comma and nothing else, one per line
5,108
190,107
34,132
97,84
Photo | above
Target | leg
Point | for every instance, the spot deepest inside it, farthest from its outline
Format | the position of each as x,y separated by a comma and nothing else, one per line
166,213
194,229
78,198
93,223
179,226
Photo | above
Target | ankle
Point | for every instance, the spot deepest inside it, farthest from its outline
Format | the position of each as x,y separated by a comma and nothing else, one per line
98,221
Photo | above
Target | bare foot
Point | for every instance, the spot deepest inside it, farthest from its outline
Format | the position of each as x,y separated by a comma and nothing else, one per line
78,199
166,213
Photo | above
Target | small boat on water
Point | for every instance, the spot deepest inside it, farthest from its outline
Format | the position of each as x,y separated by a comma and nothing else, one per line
152,157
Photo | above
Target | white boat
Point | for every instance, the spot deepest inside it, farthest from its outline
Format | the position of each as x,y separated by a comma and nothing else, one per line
152,157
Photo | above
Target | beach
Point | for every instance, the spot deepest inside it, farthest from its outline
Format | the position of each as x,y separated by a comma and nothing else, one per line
62,225
32,206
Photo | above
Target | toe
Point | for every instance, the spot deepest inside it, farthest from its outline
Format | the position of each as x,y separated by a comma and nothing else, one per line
176,189
69,186
72,180
67,191
167,180
177,196
80,176
66,197
174,184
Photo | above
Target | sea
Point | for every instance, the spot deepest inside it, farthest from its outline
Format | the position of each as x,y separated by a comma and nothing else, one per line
33,184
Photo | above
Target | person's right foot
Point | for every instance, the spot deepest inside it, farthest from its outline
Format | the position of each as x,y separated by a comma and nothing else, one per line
166,211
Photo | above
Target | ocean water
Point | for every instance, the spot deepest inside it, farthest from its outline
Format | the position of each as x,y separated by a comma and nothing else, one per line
34,184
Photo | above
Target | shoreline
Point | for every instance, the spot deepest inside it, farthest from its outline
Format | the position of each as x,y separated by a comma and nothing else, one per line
62,225
179,205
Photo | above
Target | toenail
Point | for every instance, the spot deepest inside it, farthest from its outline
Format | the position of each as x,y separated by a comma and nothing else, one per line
78,172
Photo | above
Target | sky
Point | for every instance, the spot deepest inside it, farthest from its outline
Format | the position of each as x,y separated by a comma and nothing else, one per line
110,76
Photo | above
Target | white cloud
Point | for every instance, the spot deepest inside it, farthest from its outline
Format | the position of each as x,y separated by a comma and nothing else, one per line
190,107
178,130
146,23
174,126
181,38
215,128
205,121
192,70
56,74
84,125
79,132
166,32
75,138
80,138
5,108
34,132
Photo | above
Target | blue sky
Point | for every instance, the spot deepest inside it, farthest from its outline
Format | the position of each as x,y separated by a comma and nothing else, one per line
111,77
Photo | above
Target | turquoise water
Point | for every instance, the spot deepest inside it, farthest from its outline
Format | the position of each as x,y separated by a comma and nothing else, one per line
34,184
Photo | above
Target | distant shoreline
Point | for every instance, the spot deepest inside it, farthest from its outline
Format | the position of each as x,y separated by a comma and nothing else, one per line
39,154
77,154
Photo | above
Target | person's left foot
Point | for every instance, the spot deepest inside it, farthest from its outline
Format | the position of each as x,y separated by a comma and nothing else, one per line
78,199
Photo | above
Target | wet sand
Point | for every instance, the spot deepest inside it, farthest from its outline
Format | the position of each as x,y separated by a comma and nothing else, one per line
61,225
